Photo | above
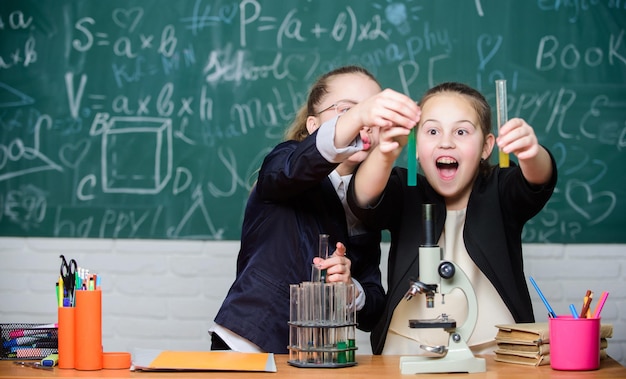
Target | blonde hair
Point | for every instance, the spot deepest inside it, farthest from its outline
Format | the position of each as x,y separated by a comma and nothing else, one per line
297,131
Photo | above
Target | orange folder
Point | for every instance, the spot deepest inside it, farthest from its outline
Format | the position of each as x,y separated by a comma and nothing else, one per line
204,361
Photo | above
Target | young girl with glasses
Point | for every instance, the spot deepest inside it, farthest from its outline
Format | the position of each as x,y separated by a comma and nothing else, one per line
300,194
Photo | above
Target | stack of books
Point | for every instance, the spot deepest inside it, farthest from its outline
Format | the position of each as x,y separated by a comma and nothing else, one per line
529,343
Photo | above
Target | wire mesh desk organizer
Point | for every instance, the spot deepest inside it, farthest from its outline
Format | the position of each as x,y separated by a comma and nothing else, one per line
322,321
28,341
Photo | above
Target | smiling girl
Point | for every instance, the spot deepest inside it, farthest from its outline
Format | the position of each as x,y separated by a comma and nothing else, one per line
480,211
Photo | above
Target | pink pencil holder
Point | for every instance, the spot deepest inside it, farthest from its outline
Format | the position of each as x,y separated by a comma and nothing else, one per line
574,343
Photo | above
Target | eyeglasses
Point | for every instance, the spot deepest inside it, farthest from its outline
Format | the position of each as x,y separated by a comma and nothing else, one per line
340,107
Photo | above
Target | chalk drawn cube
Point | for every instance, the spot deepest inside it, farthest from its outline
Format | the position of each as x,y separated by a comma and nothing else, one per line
136,155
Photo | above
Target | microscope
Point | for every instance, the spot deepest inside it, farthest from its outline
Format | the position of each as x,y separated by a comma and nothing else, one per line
437,275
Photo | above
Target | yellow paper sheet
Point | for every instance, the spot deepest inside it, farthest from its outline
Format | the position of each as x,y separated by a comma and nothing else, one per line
207,360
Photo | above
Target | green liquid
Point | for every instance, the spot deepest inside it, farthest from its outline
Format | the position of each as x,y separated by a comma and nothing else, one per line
341,355
351,357
412,160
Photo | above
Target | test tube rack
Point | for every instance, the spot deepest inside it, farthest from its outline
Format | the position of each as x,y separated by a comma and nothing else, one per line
322,325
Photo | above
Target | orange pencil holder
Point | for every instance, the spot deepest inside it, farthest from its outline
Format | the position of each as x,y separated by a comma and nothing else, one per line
66,318
88,330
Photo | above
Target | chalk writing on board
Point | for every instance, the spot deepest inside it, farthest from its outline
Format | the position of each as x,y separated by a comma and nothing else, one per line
17,151
123,120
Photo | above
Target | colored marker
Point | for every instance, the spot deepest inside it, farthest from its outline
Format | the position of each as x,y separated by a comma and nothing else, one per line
35,353
51,360
543,298
596,312
47,344
23,341
30,331
60,291
572,309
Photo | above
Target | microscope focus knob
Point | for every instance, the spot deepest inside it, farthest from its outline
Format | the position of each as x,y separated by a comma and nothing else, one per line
446,269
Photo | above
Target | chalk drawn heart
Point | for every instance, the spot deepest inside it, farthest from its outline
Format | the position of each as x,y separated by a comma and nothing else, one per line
228,13
72,155
127,18
487,41
559,151
579,191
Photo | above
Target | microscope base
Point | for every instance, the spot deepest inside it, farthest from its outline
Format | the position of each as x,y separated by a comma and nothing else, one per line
459,358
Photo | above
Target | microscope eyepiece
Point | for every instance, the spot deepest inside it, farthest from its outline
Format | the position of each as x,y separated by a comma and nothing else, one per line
429,225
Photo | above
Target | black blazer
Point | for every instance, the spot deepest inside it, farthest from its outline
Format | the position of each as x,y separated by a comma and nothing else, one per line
499,206
292,203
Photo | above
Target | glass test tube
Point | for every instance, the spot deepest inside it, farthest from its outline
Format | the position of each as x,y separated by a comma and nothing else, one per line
317,309
503,158
322,323
323,253
329,331
351,319
304,333
340,321
294,291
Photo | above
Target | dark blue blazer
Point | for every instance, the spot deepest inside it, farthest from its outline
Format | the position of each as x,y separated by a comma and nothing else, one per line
500,204
292,203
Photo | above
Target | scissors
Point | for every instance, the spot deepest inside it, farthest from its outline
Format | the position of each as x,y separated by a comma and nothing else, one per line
33,365
68,273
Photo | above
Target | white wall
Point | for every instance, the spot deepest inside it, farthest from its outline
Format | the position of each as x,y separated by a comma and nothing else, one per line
164,294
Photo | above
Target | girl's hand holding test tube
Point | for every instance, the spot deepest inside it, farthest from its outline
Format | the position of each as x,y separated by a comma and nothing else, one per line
503,117
515,136
337,266
519,138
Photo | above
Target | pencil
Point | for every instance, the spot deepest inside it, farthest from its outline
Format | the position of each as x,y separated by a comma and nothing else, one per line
586,303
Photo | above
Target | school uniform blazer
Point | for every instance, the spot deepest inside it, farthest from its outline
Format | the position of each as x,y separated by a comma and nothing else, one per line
498,207
292,203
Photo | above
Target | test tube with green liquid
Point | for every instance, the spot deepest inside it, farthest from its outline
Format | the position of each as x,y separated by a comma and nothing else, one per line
503,158
411,163
351,319
341,320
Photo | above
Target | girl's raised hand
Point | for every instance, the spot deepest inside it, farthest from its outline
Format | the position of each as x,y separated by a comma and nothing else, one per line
517,137
385,109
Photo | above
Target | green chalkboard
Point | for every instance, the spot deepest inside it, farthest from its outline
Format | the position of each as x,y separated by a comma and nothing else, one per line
149,119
